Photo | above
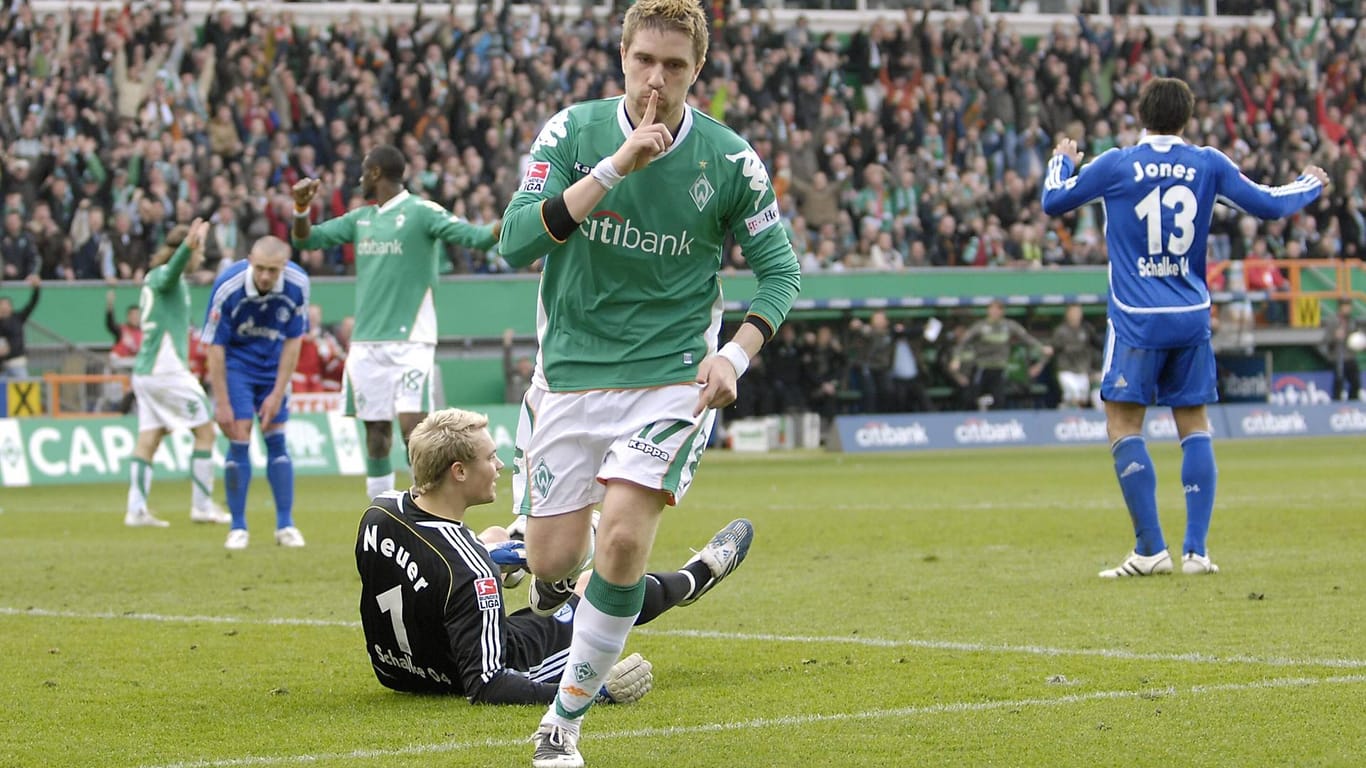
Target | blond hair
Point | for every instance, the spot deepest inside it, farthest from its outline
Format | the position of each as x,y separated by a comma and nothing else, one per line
443,438
684,16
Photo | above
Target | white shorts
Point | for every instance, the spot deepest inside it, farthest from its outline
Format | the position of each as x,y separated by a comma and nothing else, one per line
389,377
1076,387
170,401
569,444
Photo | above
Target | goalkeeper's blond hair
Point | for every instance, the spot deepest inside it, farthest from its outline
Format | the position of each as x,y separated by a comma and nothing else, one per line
684,16
443,438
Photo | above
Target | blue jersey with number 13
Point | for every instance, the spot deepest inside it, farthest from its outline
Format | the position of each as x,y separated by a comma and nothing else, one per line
1158,197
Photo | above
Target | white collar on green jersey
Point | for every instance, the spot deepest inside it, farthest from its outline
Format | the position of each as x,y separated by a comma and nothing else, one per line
393,201
624,122
279,286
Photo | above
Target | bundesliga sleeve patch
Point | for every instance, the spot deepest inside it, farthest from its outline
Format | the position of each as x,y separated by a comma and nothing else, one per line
763,219
486,592
536,174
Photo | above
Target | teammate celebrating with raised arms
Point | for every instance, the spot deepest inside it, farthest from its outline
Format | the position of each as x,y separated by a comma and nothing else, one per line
1159,196
398,242
168,395
630,201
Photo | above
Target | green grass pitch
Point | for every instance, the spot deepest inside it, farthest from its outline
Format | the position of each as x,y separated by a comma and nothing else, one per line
913,609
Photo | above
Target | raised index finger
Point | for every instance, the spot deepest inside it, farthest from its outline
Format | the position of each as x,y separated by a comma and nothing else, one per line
649,116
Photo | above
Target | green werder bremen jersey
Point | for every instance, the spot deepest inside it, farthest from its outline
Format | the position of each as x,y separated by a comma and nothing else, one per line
632,298
398,246
165,306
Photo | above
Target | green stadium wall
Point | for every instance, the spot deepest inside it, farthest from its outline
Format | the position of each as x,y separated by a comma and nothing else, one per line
482,307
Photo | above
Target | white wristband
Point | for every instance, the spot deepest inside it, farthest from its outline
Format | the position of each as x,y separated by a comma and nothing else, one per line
605,173
303,214
737,356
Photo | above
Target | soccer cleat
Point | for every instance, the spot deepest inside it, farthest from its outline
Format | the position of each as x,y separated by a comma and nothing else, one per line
556,747
289,536
1140,565
1195,565
237,539
144,519
722,555
210,513
548,596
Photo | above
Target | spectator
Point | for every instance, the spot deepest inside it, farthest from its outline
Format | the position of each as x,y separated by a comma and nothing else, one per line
516,370
18,253
1075,347
908,375
992,340
1337,328
94,257
13,360
319,353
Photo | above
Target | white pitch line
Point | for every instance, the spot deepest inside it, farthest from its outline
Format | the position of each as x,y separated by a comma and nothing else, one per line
703,634
781,722
1033,650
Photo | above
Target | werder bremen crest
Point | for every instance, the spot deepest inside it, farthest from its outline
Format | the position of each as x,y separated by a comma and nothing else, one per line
701,191
541,478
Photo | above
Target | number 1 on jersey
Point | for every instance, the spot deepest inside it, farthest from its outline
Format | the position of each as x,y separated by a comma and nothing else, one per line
391,602
1182,201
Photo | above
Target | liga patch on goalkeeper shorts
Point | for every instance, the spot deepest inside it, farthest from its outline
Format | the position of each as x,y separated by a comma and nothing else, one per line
570,444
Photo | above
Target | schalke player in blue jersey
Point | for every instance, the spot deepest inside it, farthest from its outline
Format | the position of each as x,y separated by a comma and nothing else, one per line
1158,198
258,313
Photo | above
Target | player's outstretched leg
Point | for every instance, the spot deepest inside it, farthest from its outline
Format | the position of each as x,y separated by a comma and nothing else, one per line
722,555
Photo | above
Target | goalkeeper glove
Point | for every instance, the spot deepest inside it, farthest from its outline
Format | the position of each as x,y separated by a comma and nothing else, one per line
510,557
628,681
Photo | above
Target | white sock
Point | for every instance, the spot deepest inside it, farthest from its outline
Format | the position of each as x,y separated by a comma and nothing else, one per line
598,642
374,486
201,479
139,485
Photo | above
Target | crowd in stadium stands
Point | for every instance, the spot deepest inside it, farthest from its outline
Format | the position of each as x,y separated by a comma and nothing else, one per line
907,144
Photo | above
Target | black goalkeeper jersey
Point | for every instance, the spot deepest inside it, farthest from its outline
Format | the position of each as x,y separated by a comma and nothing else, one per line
432,608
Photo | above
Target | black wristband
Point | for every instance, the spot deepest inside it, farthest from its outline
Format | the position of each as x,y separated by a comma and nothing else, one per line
761,325
555,216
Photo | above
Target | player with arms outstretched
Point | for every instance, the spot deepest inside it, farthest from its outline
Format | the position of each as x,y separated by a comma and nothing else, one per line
1159,196
398,242
630,201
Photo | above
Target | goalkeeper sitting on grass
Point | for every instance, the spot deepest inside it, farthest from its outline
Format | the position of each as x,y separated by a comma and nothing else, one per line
432,592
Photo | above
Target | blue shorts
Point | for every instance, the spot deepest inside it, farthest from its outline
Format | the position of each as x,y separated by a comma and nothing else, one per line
246,398
1177,377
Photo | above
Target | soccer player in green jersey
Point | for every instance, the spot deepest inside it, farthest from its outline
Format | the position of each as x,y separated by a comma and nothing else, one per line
168,395
398,242
630,201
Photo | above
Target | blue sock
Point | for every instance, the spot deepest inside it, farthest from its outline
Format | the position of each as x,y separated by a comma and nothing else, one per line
280,471
236,481
1198,477
1138,482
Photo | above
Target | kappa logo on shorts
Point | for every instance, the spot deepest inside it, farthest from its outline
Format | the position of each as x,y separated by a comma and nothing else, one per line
542,478
636,444
486,592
